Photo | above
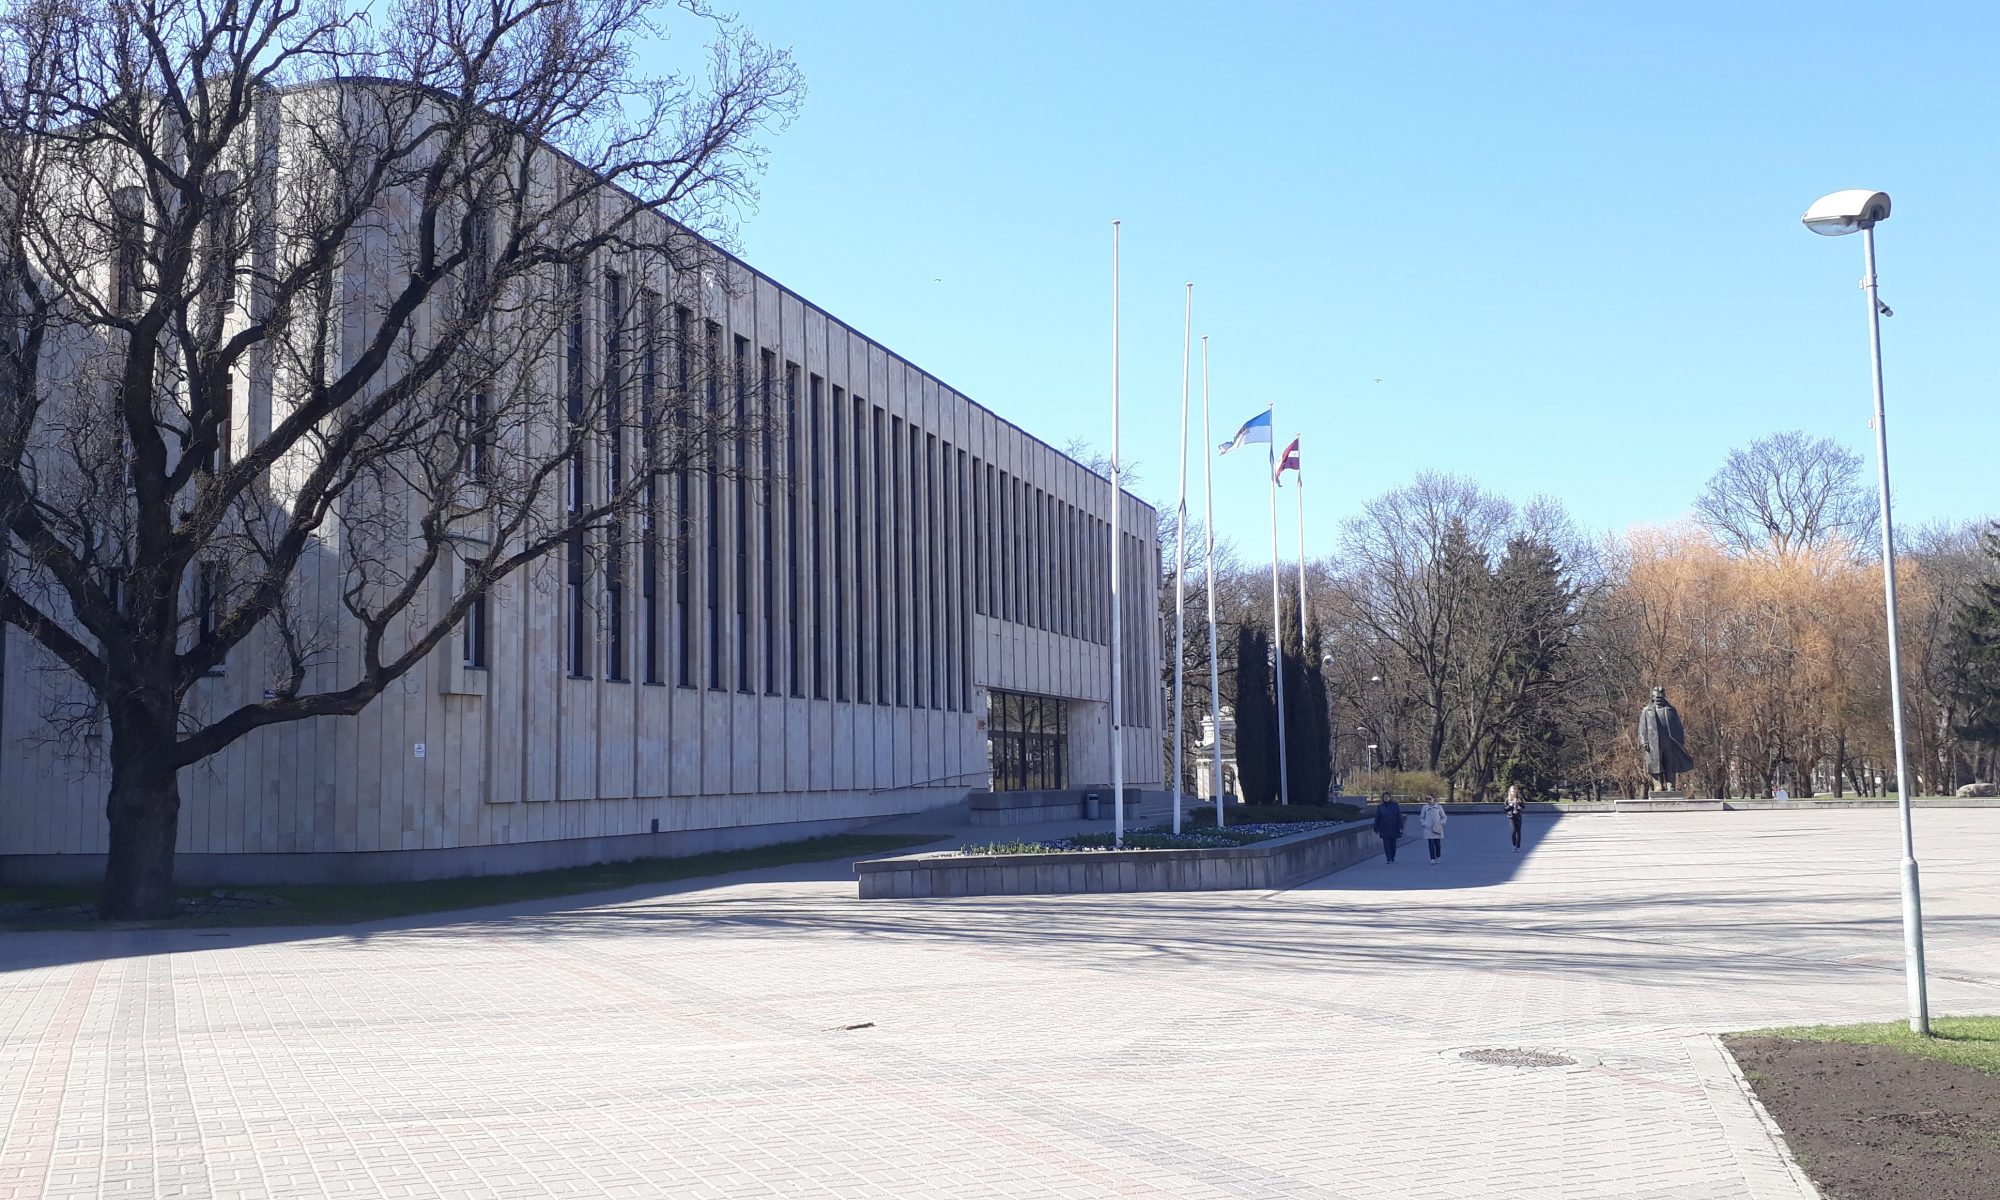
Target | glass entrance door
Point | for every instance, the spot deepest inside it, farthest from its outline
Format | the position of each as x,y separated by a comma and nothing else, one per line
1027,742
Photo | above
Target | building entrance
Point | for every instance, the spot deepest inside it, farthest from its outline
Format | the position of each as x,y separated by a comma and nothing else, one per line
1027,741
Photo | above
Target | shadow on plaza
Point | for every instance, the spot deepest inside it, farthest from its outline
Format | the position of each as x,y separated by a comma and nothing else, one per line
1358,920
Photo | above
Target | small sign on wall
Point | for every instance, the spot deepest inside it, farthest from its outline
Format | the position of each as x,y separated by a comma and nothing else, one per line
419,750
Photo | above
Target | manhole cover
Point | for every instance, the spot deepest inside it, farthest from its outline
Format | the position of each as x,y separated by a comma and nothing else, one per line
1517,1058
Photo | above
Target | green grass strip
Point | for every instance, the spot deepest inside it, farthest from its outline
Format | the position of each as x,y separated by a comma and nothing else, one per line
1967,1041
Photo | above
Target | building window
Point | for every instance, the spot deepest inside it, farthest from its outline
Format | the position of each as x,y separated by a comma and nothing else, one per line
652,522
1080,576
472,627
837,581
614,603
933,585
683,520
128,230
578,610
919,585
1061,561
478,256
1067,532
614,459
712,512
1038,578
1008,547
1024,555
948,543
766,368
206,587
1051,567
900,507
1100,563
816,499
988,493
884,626
222,400
864,596
614,381
977,531
796,549
221,234
966,566
741,396
477,436
573,400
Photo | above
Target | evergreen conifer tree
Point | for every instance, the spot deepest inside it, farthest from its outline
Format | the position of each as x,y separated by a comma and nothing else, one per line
1976,630
1532,587
1256,717
1308,734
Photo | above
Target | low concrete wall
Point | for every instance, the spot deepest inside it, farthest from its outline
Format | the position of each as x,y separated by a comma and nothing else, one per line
1669,804
1810,802
1261,866
399,866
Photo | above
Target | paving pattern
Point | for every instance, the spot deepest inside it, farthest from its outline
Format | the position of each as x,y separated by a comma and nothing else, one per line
772,1036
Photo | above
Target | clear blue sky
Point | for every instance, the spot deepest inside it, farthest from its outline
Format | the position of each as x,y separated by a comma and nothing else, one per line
1564,236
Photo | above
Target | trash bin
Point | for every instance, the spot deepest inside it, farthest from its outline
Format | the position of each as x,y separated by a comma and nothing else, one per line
1092,809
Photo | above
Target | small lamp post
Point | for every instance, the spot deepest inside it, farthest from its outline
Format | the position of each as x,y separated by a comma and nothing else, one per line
1858,210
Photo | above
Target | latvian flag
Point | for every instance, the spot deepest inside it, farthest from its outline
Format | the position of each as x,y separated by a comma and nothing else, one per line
1288,461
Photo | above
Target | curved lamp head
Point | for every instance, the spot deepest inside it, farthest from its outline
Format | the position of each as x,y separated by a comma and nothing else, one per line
1847,212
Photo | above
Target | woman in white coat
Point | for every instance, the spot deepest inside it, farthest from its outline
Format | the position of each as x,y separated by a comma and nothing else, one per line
1432,819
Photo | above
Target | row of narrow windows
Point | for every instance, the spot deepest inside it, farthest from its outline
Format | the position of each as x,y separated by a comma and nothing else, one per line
903,529
896,536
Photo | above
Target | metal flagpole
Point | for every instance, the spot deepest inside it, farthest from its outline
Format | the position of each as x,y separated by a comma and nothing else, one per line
1208,580
1180,560
1117,675
1277,634
1299,478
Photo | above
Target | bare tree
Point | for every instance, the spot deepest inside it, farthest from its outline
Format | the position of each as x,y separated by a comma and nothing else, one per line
293,302
1789,493
1224,574
1416,566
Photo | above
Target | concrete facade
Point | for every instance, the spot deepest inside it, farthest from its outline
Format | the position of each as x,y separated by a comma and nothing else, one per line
832,699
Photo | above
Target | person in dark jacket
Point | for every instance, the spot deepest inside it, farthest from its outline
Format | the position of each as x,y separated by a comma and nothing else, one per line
1389,825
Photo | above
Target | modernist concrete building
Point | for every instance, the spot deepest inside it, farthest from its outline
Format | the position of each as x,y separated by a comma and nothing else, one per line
912,605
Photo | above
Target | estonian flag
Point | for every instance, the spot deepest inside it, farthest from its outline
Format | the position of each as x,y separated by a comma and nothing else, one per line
1256,429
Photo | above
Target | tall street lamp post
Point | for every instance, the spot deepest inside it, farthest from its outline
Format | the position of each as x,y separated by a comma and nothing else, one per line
1858,210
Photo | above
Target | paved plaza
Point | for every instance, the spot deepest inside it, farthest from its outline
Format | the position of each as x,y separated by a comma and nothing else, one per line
770,1035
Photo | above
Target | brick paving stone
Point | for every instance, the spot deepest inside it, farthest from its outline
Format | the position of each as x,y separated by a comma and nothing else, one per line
694,1041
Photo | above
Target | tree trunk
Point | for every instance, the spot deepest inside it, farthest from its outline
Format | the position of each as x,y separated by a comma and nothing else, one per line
143,812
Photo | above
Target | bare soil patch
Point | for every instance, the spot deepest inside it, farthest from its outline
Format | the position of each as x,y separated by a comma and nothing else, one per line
1879,1123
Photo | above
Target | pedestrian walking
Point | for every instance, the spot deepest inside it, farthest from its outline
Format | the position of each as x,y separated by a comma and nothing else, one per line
1431,817
1389,825
1515,807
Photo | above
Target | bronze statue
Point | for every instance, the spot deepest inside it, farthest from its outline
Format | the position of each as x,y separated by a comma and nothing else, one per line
1663,741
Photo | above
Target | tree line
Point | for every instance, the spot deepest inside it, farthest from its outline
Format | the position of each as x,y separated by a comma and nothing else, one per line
1486,643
